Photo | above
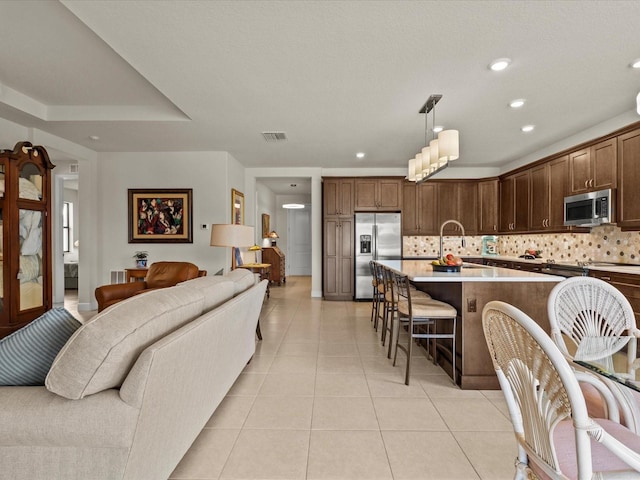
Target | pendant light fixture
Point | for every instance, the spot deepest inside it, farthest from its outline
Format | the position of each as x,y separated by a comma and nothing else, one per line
437,153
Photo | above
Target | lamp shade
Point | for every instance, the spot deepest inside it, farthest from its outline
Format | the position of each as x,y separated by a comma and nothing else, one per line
434,159
418,167
225,235
273,234
426,161
411,176
448,145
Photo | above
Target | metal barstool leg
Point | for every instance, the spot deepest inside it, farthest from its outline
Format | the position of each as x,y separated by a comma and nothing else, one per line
453,351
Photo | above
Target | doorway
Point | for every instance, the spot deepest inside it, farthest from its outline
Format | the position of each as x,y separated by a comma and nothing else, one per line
299,241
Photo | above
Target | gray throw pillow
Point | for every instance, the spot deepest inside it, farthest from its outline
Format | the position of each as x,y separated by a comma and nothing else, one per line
27,354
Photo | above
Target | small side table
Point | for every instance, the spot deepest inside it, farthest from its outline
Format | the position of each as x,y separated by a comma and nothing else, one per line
135,274
262,269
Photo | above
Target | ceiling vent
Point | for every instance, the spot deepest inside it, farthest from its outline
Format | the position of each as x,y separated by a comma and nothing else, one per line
274,136
73,168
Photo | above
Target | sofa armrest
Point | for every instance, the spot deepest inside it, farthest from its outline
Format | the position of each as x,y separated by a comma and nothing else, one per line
107,295
35,417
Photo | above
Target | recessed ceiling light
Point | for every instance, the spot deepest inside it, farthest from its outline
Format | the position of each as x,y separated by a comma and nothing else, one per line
635,63
437,129
499,64
293,205
517,103
528,128
360,154
94,137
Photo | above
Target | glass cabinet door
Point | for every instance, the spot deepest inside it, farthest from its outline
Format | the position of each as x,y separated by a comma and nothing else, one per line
31,251
30,186
30,225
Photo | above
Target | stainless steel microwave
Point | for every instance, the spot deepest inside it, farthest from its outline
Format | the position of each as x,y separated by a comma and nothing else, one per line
588,209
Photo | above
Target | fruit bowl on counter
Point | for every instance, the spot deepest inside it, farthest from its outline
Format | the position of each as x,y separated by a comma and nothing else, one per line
448,263
446,268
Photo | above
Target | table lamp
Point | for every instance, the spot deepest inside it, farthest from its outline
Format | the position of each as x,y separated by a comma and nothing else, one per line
255,249
273,235
234,236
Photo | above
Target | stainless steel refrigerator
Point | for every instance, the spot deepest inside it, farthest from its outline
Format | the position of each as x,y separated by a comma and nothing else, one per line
378,237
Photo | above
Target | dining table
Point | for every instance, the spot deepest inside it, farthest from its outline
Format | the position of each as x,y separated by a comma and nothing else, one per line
621,366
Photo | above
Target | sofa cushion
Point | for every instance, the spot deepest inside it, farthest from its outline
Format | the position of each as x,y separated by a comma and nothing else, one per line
27,354
242,279
100,354
216,290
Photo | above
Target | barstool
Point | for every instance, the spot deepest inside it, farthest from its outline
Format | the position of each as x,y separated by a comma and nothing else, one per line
422,313
391,305
377,295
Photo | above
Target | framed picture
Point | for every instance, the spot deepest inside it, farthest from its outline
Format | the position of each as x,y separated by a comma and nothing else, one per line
160,215
237,207
265,225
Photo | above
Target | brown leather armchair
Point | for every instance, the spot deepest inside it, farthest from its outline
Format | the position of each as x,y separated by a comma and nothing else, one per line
160,275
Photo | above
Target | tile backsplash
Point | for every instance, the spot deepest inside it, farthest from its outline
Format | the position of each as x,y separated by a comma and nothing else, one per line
604,244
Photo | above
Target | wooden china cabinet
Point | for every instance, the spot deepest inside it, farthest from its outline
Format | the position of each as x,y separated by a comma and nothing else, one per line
25,244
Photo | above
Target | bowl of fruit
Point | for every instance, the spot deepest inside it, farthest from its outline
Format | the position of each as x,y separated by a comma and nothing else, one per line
448,263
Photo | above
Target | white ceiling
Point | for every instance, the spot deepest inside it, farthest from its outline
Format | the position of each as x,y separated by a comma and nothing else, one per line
337,76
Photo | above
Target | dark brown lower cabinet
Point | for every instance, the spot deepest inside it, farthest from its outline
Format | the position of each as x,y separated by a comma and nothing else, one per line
338,281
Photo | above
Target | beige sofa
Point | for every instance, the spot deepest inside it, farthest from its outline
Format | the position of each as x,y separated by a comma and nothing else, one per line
134,386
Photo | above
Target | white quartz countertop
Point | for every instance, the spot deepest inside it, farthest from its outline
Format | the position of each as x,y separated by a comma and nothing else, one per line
630,268
422,271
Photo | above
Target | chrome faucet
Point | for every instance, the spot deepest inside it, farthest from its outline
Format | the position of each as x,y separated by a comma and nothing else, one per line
464,243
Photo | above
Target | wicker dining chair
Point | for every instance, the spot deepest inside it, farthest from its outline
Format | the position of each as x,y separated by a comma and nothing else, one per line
556,437
590,321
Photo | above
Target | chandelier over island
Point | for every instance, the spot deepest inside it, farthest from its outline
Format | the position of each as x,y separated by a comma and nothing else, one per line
437,153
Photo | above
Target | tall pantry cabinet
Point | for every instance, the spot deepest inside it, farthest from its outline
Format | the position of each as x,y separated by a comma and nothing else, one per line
338,233
25,242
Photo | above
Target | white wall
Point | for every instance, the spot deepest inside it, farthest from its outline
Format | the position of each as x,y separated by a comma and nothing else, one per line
265,203
210,175
12,133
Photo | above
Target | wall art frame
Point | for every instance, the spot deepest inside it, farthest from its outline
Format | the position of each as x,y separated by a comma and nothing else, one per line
160,215
265,225
237,207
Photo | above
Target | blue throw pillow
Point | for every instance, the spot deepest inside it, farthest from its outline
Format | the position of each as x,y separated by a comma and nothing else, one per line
27,354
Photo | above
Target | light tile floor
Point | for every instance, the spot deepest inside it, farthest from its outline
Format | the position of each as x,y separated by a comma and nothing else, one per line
320,400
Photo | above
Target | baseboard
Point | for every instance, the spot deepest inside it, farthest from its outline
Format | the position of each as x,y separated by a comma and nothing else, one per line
316,293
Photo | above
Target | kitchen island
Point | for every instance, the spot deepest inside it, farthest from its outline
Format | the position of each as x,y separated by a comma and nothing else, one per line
468,291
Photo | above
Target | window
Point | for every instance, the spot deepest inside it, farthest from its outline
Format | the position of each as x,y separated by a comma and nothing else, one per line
67,212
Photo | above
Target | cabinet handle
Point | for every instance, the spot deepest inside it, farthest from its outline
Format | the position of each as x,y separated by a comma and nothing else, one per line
592,182
606,278
495,228
586,184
